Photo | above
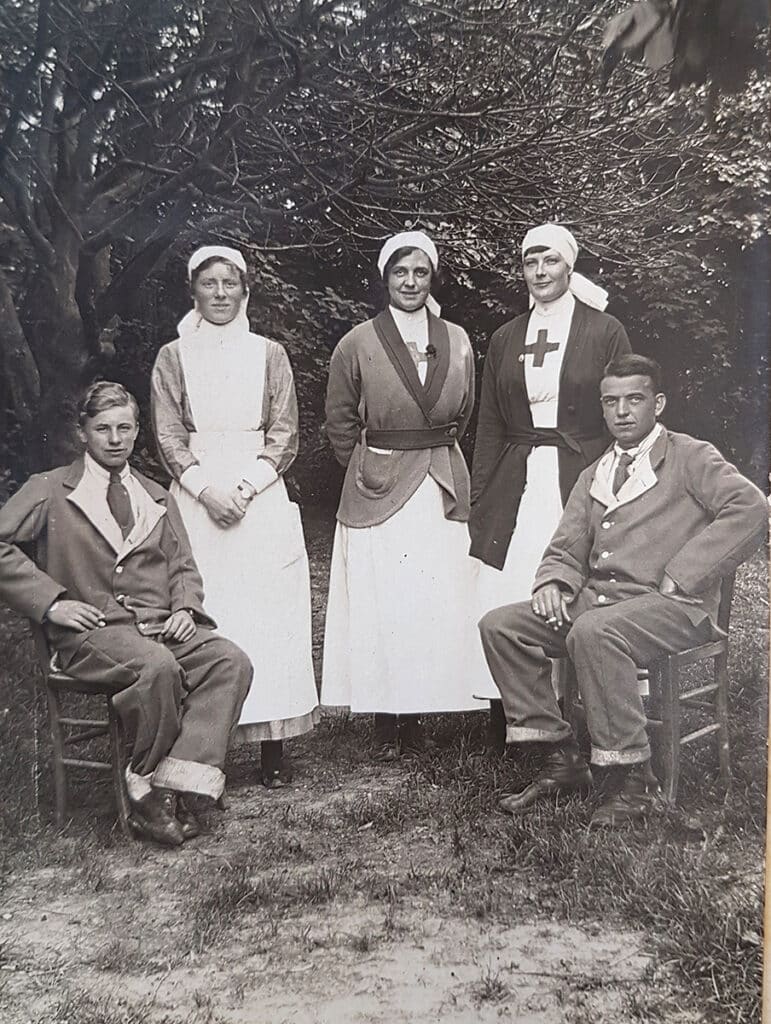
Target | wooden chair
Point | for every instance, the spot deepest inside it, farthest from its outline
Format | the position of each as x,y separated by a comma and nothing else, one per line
668,699
68,733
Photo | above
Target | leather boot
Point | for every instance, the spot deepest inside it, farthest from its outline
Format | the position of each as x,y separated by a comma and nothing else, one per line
154,817
187,817
639,795
563,771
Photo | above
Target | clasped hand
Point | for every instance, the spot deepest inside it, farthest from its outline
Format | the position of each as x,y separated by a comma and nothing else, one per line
225,508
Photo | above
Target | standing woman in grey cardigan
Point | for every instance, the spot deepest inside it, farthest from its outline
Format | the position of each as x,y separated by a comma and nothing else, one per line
400,622
225,419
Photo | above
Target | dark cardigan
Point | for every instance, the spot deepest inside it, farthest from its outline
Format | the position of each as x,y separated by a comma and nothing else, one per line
499,470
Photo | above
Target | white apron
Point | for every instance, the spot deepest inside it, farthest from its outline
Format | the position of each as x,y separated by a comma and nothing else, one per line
399,626
541,507
255,573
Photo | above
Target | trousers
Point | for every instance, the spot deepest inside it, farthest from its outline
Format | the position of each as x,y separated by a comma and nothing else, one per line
606,645
178,702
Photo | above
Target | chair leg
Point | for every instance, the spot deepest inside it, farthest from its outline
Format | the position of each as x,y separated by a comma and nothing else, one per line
721,715
59,770
668,685
118,759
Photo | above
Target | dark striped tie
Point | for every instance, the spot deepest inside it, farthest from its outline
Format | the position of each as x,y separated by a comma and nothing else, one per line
622,471
120,504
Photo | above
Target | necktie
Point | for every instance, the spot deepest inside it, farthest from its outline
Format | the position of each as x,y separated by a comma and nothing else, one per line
120,504
622,470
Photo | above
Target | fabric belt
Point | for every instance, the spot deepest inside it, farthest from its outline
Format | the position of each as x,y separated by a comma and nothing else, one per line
411,440
539,436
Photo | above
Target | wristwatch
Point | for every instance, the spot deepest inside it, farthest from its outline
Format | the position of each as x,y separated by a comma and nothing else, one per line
246,492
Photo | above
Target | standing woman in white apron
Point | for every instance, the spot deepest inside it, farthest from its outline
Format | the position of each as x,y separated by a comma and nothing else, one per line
225,418
400,623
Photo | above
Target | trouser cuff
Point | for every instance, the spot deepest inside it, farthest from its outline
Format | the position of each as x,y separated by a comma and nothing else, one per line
608,757
189,777
523,734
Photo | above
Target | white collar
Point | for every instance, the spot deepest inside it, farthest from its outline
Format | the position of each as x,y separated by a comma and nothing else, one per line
644,446
408,316
101,473
561,306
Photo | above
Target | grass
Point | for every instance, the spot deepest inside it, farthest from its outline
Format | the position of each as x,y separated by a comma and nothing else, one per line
424,832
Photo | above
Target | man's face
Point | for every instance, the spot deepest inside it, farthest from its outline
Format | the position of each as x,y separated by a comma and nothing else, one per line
547,275
110,435
630,407
409,281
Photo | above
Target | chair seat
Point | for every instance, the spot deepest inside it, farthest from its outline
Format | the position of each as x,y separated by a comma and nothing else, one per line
59,680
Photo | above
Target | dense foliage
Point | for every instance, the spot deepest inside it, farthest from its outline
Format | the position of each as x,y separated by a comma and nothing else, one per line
307,130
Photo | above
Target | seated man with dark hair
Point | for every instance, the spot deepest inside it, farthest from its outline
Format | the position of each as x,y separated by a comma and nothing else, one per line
632,572
116,590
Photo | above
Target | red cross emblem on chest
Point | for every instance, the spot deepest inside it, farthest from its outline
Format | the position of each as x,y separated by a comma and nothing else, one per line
541,348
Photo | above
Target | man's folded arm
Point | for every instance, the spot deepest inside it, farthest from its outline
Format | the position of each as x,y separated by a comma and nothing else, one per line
740,512
24,586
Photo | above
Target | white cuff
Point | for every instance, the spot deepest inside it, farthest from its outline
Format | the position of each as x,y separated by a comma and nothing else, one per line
194,480
262,475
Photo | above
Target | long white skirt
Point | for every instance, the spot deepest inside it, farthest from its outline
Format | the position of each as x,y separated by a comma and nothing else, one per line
257,589
400,619
539,514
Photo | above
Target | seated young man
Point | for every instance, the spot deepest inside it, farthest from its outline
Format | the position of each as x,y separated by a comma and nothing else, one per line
115,587
632,572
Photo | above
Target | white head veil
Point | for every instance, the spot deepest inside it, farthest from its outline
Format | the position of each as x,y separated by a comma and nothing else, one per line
411,240
193,320
554,236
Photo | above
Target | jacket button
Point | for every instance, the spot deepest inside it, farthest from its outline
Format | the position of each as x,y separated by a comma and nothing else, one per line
522,358
119,569
606,526
452,431
571,408
602,599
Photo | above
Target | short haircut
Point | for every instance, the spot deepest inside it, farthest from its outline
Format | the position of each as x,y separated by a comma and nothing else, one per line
399,254
632,365
105,394
210,263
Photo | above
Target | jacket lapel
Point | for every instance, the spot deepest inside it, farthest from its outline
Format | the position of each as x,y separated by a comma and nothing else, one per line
642,481
149,514
401,360
91,503
439,363
573,346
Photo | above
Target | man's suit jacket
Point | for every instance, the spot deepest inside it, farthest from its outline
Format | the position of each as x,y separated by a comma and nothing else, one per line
67,554
686,512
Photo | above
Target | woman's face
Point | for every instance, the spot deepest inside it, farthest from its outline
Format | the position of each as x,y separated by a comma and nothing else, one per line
218,292
547,275
409,281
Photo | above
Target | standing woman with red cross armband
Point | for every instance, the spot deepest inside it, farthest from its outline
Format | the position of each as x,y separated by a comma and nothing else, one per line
540,424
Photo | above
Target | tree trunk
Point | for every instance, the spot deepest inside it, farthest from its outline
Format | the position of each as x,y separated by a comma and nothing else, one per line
58,339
